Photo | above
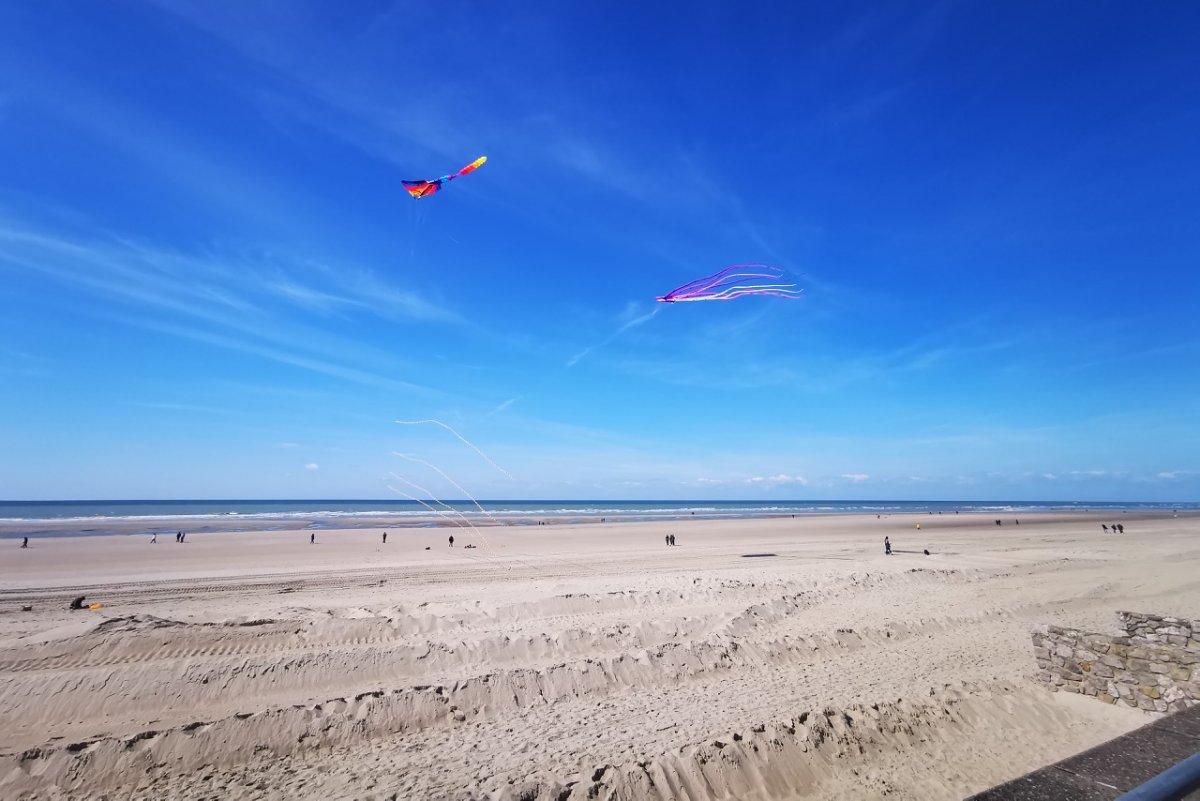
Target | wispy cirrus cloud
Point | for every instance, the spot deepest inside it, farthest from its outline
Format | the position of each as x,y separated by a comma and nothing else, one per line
503,406
630,322
777,480
234,302
183,407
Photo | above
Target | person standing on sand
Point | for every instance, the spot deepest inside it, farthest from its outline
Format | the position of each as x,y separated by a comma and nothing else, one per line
25,542
887,546
672,540
385,538
312,538
451,540
667,539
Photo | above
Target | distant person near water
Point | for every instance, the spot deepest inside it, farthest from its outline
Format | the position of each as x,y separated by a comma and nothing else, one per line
1104,526
667,539
451,540
385,538
154,538
887,546
25,542
672,539
312,538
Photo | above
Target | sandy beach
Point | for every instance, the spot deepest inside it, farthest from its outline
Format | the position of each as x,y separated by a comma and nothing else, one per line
757,659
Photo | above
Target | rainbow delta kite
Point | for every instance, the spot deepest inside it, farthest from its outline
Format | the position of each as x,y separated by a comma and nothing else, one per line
420,189
734,282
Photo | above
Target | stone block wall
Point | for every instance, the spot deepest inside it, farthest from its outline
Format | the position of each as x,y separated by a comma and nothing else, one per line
1156,629
1155,666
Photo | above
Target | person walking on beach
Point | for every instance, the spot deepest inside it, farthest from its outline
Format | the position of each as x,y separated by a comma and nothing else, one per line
1121,527
451,540
667,539
25,542
887,546
672,539
312,538
385,538
1105,527
154,538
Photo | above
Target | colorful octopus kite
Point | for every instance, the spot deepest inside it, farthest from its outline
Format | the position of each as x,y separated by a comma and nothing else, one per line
420,189
734,282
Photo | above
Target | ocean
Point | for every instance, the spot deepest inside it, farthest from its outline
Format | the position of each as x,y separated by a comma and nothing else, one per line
67,518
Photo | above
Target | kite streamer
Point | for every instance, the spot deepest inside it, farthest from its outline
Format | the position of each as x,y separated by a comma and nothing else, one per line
420,189
732,283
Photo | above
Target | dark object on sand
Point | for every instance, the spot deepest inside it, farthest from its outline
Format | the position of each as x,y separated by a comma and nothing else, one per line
927,552
78,602
26,608
757,555
427,547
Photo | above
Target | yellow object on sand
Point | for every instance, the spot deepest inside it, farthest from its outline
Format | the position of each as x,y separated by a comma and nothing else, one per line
95,606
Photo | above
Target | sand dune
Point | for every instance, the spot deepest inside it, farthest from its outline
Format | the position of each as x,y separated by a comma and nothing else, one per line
565,662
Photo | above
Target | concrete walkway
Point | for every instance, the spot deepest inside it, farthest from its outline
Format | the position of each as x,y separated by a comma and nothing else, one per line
1111,769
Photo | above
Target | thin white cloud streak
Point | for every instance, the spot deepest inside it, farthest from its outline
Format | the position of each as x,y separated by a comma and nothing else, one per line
503,406
182,407
571,362
312,467
228,303
284,357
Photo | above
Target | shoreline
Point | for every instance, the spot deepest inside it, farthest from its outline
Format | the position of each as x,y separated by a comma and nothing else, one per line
325,521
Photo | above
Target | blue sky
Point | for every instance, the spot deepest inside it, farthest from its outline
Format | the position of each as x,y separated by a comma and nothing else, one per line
213,285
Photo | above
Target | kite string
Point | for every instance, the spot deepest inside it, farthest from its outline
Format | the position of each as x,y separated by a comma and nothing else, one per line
587,568
457,517
461,439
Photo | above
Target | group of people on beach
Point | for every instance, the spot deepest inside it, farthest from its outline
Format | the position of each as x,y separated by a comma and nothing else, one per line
670,538
1117,528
